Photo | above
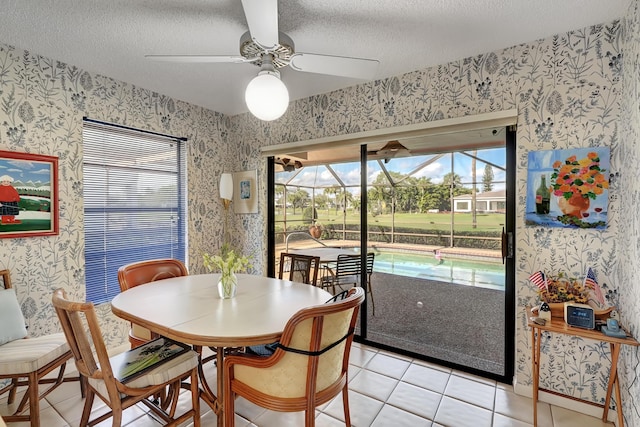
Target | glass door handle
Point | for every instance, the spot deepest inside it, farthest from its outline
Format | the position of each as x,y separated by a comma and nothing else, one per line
503,244
507,245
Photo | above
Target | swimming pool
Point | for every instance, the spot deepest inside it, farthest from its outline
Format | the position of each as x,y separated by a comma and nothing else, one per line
452,270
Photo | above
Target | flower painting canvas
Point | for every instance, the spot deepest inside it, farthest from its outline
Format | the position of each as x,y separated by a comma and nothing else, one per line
568,188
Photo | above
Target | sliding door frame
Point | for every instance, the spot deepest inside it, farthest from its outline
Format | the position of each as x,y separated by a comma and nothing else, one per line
505,119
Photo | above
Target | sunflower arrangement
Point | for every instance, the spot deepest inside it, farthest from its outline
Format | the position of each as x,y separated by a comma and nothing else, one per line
561,288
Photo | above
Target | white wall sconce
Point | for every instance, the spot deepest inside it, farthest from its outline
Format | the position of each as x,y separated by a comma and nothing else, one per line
226,189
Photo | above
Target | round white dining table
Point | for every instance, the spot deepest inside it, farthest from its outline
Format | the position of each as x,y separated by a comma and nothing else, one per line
188,309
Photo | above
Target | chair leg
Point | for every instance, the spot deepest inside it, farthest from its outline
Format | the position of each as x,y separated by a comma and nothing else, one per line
345,405
83,386
373,304
116,420
310,418
34,400
172,397
88,403
12,390
195,398
229,409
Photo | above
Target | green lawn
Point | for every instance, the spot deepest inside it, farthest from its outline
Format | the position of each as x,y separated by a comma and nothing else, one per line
425,221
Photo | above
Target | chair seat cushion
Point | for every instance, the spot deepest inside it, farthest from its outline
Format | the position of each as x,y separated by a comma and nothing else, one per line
173,368
262,349
30,354
140,332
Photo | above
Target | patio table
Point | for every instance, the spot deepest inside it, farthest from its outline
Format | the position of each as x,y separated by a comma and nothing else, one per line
326,254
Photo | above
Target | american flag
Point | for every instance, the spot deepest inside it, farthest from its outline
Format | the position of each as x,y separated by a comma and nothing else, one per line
591,283
539,279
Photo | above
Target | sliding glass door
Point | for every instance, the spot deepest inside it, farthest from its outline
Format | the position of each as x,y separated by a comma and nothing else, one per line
433,223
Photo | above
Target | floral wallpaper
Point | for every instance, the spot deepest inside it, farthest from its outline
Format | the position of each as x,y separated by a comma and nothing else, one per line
42,103
576,89
570,91
627,178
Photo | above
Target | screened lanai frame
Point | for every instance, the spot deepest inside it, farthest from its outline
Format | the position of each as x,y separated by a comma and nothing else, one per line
289,182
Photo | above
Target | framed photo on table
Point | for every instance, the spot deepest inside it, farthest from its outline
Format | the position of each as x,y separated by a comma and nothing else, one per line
245,192
28,195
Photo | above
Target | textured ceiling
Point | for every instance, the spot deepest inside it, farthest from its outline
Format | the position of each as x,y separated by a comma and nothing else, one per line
111,37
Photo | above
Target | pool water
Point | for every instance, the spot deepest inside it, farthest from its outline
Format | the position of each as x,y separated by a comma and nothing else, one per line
452,270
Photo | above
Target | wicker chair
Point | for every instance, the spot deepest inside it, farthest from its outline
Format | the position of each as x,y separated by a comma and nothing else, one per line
299,268
346,272
120,394
26,361
139,273
308,368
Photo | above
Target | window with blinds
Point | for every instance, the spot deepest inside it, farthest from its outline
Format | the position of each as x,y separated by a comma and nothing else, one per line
134,202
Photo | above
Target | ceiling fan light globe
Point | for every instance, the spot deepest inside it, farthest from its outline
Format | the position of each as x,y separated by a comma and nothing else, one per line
266,96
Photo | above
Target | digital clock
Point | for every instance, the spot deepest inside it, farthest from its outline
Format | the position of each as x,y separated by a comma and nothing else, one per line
579,315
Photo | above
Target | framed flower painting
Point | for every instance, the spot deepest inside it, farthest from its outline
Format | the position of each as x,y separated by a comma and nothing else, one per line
568,188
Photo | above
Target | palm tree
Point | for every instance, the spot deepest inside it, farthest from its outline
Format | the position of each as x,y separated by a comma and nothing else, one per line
333,191
452,178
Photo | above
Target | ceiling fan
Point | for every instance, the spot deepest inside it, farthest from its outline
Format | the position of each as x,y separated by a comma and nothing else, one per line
263,45
287,164
390,150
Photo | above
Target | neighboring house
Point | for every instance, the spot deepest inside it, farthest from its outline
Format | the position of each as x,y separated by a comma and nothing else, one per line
489,201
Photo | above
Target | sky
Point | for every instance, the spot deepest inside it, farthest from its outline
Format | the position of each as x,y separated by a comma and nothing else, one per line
319,176
26,170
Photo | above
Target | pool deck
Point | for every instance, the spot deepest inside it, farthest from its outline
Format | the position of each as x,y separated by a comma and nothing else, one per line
412,336
463,253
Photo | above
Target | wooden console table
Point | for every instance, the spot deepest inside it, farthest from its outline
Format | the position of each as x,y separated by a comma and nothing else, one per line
558,325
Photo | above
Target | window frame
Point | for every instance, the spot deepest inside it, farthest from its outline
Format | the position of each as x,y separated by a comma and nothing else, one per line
102,259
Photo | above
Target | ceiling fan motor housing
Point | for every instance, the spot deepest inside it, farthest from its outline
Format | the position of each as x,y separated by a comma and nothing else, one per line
281,53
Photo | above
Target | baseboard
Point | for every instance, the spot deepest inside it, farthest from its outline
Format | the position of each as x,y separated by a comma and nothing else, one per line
564,402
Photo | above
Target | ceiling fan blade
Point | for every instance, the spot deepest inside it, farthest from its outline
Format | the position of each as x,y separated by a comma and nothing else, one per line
357,68
394,149
262,19
201,58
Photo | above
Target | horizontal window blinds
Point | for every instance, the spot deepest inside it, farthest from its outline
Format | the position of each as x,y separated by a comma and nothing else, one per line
134,202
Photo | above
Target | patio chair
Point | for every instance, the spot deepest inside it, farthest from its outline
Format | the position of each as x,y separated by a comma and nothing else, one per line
346,272
296,268
26,361
299,268
308,368
82,331
138,273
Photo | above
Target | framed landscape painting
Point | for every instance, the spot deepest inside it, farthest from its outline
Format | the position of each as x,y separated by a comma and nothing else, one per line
568,188
28,195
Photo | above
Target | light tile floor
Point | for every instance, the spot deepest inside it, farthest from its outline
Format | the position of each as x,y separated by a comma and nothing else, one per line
385,389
